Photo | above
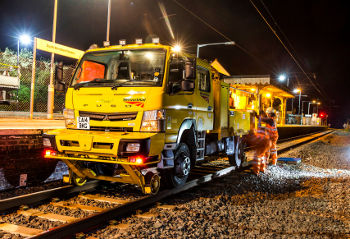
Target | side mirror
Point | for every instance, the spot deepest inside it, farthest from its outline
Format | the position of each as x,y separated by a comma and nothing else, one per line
60,85
187,85
190,69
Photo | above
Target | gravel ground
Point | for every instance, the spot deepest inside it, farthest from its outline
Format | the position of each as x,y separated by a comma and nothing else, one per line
309,200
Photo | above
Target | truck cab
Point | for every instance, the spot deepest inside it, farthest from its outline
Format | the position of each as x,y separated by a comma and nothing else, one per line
137,113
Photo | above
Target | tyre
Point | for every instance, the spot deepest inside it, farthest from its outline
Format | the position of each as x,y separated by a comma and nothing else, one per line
182,166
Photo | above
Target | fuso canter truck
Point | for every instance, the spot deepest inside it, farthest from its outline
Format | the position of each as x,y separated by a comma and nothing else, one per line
141,112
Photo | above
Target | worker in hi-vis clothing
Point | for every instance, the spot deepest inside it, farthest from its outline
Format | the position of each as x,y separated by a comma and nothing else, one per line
273,135
260,142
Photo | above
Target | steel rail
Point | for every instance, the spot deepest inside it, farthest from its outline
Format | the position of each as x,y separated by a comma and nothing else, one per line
92,221
286,148
11,203
88,223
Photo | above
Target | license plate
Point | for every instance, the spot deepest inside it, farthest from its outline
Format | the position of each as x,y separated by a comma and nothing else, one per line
83,122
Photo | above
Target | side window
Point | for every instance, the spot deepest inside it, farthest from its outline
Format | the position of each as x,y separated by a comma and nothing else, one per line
204,79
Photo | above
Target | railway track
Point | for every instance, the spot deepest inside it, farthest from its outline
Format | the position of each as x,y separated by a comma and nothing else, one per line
81,209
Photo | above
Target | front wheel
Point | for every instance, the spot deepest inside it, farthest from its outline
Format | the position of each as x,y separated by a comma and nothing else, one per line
182,166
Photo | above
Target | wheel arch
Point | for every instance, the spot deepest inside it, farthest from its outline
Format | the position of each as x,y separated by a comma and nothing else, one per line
187,135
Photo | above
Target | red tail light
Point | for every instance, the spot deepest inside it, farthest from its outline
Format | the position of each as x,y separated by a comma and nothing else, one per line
49,152
137,159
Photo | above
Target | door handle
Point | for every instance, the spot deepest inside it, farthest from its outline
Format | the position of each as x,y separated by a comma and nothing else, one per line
210,108
189,105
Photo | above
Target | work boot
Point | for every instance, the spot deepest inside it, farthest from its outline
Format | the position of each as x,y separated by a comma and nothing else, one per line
263,164
256,166
274,159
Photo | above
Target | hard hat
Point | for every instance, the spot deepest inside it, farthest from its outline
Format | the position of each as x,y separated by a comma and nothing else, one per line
270,110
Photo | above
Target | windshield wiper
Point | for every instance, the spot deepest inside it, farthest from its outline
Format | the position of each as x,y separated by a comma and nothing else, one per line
120,84
96,80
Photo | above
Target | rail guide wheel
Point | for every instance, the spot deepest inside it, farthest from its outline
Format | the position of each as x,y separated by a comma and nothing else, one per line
78,181
239,156
152,184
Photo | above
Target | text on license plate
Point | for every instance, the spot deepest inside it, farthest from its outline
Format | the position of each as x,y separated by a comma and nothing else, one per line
83,122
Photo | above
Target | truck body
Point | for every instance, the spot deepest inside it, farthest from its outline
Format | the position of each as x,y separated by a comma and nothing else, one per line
137,113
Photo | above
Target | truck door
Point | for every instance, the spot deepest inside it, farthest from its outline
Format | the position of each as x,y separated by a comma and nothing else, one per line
203,104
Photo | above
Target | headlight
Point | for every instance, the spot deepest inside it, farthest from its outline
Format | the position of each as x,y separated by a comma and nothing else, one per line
133,147
47,143
153,121
69,117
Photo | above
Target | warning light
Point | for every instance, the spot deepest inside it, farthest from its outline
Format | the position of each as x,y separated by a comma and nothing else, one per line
322,115
136,159
139,160
49,152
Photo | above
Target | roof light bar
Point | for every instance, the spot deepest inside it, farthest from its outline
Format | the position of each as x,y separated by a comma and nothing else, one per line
106,43
155,40
139,41
122,42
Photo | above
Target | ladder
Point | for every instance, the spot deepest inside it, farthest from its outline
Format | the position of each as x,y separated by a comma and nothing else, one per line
200,145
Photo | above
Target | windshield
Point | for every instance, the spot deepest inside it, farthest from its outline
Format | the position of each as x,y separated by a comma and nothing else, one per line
121,68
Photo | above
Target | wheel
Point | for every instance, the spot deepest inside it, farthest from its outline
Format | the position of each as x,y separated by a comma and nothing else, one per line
152,184
182,160
239,156
78,181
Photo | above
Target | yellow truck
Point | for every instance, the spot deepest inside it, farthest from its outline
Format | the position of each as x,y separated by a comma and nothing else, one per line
140,112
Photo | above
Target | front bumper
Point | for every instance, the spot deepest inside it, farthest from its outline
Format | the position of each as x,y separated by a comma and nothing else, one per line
104,147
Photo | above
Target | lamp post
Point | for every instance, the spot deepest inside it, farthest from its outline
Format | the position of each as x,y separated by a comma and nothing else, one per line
24,39
213,44
298,91
310,102
318,103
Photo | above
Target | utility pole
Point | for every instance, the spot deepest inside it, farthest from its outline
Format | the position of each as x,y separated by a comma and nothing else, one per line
51,88
108,20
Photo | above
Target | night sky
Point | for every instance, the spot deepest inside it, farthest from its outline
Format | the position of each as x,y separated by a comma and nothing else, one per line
315,31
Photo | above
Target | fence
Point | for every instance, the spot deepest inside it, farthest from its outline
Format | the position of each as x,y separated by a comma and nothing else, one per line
42,79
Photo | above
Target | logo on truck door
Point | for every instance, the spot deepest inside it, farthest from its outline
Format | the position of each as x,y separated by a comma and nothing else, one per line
135,101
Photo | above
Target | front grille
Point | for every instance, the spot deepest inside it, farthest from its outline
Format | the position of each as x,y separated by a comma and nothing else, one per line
118,116
112,129
70,143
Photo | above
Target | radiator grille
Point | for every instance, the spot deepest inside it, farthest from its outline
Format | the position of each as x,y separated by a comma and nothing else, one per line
112,129
118,116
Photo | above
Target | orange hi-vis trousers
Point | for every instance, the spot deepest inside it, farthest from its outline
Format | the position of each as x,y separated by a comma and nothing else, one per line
260,144
273,133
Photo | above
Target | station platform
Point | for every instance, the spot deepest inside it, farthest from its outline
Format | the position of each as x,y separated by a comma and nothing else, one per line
289,131
12,126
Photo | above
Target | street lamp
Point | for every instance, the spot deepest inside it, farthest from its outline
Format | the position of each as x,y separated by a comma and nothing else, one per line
298,91
24,39
213,44
318,103
282,78
310,103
